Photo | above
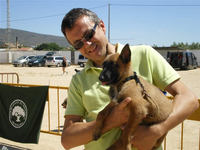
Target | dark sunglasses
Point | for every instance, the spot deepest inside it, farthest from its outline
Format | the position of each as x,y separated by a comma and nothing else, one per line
87,37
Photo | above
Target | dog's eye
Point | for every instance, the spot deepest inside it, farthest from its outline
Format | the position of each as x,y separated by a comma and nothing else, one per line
108,64
111,63
104,64
116,65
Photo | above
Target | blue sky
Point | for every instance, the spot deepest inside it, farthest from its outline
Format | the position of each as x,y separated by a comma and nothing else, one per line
159,22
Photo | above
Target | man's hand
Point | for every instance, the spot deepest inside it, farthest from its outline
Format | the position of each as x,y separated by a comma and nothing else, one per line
118,116
148,135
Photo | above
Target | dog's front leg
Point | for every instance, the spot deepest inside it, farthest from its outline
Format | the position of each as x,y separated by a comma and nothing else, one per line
136,116
101,119
159,142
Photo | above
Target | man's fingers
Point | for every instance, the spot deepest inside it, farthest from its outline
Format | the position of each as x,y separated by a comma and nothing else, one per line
124,103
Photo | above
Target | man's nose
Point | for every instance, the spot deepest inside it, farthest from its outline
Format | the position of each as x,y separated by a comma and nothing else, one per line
88,43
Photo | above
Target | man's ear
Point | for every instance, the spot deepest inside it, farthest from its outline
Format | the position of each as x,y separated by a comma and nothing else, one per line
125,55
102,25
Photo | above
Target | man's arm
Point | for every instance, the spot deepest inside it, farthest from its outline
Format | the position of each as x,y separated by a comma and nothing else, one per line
184,104
76,132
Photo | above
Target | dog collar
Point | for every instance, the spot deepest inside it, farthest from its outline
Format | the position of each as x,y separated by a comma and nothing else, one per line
137,80
135,77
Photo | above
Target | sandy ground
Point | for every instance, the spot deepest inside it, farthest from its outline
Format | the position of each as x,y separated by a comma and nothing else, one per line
54,76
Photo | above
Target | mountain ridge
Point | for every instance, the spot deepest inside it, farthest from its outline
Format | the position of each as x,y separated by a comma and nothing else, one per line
31,39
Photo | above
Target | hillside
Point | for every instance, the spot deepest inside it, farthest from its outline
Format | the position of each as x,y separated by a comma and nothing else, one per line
31,39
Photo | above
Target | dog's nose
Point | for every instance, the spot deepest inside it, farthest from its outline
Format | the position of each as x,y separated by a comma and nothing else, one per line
101,78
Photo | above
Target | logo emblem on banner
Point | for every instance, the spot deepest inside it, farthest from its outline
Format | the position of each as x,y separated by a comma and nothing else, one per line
18,113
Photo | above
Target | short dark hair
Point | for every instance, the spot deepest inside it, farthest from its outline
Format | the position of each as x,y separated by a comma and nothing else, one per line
71,17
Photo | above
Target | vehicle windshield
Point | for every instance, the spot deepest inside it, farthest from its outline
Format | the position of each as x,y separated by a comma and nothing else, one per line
49,58
30,57
40,57
22,57
50,53
35,58
58,58
81,57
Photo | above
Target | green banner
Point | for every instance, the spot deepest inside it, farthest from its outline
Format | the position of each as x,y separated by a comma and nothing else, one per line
21,112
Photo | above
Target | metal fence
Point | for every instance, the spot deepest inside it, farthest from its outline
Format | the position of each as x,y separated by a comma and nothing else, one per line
55,96
9,78
194,117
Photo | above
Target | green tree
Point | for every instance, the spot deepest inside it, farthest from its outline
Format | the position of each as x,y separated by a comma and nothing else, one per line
71,48
48,46
174,44
186,45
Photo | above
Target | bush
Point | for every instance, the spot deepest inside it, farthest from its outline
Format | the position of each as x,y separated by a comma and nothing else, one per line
48,46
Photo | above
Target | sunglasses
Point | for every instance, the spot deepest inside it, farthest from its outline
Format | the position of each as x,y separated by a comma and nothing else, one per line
87,37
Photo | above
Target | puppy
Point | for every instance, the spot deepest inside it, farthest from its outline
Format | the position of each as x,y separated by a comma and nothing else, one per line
148,106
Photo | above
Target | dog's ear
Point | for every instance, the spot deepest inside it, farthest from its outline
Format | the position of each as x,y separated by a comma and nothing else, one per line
125,55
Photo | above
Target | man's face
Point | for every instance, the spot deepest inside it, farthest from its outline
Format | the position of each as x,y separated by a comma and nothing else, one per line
94,48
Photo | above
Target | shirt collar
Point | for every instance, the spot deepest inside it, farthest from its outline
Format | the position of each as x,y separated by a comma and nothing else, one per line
89,65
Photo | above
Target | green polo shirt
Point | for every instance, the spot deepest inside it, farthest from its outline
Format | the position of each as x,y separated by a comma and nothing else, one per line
87,96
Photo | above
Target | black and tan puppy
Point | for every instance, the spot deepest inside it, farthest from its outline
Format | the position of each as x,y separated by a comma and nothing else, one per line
148,106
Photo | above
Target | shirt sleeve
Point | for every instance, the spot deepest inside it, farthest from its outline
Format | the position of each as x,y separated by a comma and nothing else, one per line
74,101
162,72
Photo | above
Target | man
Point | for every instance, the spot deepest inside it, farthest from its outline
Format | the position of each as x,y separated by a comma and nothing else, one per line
64,64
87,97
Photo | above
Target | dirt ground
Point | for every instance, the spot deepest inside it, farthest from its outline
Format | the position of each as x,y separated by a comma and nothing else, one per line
55,77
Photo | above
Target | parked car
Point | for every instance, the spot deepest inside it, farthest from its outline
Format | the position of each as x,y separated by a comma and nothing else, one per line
182,60
50,53
82,60
55,61
22,61
37,61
